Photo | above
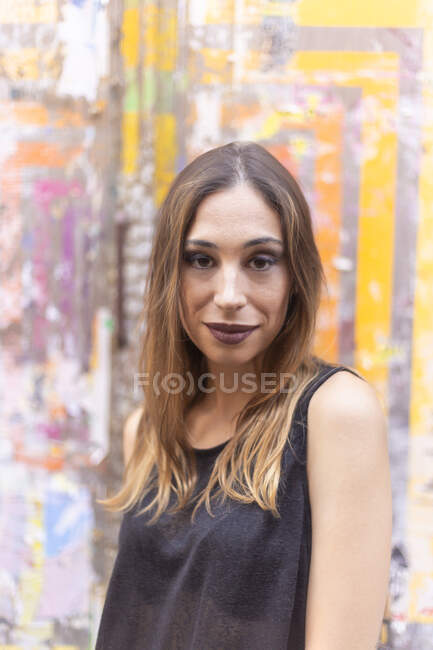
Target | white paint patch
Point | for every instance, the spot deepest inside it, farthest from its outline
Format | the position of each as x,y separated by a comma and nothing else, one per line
84,32
101,386
197,12
342,264
206,130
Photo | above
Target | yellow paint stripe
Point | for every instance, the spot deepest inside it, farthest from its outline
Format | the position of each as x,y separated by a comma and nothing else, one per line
219,12
165,154
130,49
130,45
160,50
352,62
217,65
167,40
354,13
150,35
247,12
31,578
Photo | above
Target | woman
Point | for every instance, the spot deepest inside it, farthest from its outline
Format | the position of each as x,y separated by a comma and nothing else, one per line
239,530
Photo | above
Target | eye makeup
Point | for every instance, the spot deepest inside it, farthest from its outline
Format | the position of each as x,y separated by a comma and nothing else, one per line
191,256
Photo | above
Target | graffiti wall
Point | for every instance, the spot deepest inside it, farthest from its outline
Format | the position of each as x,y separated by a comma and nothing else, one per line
55,319
342,93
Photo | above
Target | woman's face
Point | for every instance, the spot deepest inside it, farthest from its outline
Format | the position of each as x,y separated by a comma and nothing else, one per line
229,278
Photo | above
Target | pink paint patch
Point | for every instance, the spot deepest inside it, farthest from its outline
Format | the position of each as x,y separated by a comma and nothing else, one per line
66,582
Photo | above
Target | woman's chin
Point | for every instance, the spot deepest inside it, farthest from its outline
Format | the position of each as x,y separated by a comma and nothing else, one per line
229,356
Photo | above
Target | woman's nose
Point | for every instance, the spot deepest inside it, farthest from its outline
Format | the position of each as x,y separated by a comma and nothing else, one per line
229,293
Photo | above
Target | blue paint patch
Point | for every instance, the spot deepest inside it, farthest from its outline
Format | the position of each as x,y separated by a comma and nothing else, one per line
27,240
67,519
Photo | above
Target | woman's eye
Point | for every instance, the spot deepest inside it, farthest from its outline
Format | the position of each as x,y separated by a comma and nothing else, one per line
268,261
204,262
191,258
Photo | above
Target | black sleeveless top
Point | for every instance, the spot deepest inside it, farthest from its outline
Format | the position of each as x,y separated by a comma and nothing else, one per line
237,581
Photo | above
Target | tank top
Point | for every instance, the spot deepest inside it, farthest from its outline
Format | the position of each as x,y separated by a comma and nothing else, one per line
235,581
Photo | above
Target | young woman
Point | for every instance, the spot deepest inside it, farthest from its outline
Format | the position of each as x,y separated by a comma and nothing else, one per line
256,496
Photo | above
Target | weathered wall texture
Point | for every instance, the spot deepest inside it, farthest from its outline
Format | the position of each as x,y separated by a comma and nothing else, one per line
58,163
342,93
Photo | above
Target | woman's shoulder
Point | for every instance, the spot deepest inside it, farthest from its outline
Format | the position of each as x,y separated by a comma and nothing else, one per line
345,412
342,388
328,379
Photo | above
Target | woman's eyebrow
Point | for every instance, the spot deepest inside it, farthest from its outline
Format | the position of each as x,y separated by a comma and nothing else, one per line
251,242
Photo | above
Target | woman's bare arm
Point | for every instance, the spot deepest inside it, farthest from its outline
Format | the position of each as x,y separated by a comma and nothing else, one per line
130,432
351,505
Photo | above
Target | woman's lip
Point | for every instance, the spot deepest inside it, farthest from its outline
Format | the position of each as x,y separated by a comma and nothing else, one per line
231,329
230,338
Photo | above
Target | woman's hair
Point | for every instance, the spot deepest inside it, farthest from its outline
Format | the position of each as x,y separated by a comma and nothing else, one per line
248,467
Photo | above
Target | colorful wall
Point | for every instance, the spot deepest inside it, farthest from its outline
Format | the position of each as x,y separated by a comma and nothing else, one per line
102,103
56,242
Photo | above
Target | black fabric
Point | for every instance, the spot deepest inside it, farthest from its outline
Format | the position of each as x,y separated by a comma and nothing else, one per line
237,581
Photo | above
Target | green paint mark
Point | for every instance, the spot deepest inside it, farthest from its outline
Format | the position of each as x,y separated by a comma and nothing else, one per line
131,102
149,89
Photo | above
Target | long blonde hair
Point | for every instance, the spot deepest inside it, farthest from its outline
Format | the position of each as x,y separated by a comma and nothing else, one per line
248,467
